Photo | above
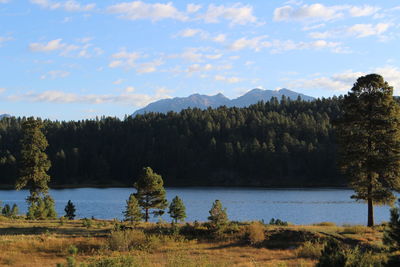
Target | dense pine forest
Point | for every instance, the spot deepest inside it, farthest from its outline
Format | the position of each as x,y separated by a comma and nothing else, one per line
277,143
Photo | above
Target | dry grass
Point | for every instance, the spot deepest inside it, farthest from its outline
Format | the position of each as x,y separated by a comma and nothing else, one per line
45,243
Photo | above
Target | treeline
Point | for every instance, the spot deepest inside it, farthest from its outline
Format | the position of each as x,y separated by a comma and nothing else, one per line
277,143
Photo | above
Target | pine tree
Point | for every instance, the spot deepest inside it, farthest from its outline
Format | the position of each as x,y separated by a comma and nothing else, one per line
133,212
177,210
392,234
34,162
369,138
70,210
50,211
6,211
14,210
150,192
33,171
218,216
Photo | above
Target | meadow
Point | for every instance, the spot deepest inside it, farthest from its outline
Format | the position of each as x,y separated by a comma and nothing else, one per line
91,242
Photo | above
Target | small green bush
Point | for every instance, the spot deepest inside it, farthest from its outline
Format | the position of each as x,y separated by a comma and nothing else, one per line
309,250
88,223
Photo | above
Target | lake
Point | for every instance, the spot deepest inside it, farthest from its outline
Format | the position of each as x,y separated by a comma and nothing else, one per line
298,206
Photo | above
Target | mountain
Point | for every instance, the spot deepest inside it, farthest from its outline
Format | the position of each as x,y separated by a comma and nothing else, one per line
204,101
257,95
4,116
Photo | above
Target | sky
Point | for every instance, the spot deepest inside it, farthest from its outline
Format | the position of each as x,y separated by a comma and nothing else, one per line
78,59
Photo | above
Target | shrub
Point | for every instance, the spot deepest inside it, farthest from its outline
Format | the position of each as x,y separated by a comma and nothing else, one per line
392,231
355,229
132,239
88,223
255,233
309,250
333,255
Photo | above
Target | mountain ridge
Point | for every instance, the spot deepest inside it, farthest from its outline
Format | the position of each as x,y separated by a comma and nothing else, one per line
253,96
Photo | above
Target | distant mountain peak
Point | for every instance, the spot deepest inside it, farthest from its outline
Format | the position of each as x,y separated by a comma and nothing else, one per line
204,101
4,116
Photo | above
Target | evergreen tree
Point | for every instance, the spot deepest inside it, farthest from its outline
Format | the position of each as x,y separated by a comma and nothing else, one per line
133,213
177,210
70,210
34,163
150,192
218,215
6,211
50,211
369,137
392,234
14,210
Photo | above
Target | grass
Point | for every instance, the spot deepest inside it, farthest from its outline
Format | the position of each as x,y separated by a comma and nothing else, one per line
46,243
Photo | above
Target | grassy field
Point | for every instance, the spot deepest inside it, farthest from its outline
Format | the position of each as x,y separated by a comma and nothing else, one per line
46,243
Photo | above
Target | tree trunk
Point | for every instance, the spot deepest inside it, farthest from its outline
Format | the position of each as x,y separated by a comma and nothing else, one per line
370,207
146,218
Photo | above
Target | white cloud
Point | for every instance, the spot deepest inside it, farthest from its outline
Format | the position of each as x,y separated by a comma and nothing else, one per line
148,67
2,90
227,79
256,43
70,5
129,89
190,32
140,10
55,74
124,59
220,38
362,11
86,50
128,98
320,12
4,1
50,46
117,82
199,68
342,82
357,30
193,8
5,39
196,54
277,46
129,60
364,30
235,14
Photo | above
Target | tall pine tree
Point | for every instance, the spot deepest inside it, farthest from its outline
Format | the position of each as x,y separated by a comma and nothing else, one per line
150,192
369,138
34,166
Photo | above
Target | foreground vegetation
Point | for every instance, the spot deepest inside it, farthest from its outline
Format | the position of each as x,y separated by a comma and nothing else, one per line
112,243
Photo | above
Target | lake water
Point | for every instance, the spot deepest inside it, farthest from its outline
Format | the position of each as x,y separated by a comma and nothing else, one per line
299,206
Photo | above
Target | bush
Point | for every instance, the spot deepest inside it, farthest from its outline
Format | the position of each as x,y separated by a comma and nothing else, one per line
309,250
355,229
132,239
255,233
88,223
333,255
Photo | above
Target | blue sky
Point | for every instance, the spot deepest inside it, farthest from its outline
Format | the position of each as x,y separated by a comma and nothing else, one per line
78,59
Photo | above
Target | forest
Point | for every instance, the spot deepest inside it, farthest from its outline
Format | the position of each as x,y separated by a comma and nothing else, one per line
280,143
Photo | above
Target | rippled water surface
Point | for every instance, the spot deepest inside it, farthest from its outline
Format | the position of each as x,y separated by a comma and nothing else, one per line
299,206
